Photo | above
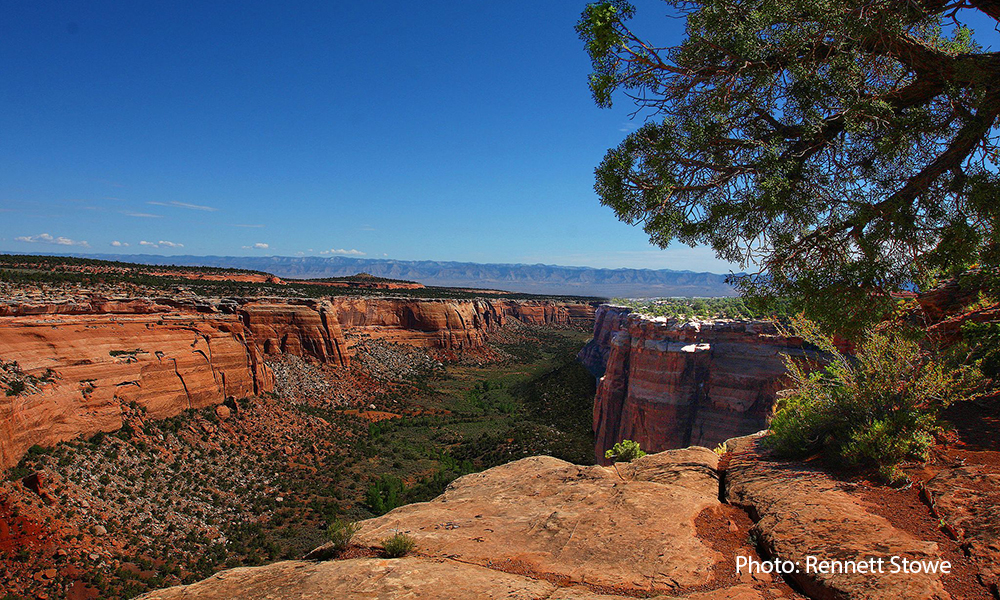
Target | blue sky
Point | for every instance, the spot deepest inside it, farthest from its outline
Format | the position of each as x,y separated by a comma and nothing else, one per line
441,130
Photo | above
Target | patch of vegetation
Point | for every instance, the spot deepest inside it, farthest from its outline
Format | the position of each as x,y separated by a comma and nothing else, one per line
871,411
707,308
398,545
340,533
624,451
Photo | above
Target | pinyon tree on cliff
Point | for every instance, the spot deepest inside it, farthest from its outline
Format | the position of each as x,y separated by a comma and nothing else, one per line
841,149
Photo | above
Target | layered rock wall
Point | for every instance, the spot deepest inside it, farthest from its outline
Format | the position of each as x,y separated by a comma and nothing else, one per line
165,362
669,384
308,330
171,354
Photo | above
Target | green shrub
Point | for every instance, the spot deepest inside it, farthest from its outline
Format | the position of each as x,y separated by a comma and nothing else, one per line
340,533
871,411
983,343
624,451
398,545
16,387
385,494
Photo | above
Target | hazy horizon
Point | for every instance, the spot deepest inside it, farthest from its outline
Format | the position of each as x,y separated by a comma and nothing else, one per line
287,130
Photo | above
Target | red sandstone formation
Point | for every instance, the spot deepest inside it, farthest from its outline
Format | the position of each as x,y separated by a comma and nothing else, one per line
309,330
670,384
168,354
236,277
543,312
165,362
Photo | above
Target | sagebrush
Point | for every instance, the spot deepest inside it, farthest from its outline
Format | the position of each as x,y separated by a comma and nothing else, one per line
398,545
872,410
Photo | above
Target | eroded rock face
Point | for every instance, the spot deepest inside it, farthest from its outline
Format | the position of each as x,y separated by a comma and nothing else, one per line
445,324
308,330
532,312
670,384
801,511
171,354
165,362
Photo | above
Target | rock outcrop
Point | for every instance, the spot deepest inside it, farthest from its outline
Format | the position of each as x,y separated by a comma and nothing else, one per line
670,384
967,500
586,525
309,330
445,324
165,362
802,512
534,312
544,528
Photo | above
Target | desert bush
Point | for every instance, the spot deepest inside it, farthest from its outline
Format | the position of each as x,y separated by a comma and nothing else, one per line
873,410
624,451
983,343
340,533
398,545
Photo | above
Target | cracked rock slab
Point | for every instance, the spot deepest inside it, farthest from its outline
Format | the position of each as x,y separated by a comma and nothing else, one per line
632,528
968,500
802,512
360,579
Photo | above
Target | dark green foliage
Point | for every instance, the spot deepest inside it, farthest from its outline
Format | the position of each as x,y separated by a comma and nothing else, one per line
873,410
15,387
624,451
983,341
398,545
386,493
844,149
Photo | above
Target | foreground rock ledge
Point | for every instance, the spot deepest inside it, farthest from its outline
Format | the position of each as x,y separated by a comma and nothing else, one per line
544,528
401,578
801,511
585,525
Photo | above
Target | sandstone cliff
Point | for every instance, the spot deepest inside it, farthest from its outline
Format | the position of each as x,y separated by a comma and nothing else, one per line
171,354
165,360
669,384
309,330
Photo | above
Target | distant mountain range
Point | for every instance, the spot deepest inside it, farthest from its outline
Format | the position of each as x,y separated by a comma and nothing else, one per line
535,279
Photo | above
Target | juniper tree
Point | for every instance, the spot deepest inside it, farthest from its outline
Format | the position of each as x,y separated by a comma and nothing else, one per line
838,149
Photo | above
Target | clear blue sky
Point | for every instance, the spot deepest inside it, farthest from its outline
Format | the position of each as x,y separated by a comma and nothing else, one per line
445,130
